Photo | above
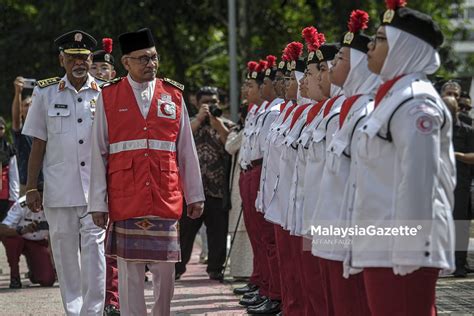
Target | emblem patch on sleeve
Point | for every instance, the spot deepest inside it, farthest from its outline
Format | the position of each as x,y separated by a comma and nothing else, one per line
425,124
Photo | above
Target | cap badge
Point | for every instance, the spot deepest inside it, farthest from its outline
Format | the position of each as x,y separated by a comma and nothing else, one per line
293,64
78,37
268,72
388,16
107,57
310,56
320,55
348,38
281,65
254,75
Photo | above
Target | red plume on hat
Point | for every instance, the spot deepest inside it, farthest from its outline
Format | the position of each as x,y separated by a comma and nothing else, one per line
271,61
313,38
107,45
293,50
358,21
395,4
262,65
251,66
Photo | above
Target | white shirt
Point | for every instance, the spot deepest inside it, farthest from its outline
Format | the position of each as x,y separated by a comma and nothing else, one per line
62,117
408,181
189,171
20,215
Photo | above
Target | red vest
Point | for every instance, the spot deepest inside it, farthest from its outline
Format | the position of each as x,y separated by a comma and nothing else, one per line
142,171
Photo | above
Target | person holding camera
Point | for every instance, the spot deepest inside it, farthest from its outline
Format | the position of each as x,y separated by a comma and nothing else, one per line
210,132
31,240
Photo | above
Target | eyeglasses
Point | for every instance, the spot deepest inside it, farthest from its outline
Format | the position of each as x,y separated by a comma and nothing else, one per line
144,60
374,39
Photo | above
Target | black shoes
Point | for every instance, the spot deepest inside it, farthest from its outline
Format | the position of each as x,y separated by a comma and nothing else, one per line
177,276
111,310
245,289
218,276
460,272
268,307
250,294
253,300
15,283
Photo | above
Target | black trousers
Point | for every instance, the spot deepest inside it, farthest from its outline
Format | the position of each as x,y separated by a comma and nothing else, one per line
216,219
462,222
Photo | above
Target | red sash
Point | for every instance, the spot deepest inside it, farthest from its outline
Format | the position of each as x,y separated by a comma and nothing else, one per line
346,107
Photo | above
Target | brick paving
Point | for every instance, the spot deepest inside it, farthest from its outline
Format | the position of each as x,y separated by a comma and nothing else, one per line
195,294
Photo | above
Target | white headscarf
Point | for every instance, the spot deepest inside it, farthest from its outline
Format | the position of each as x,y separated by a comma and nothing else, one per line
360,79
407,54
299,99
335,90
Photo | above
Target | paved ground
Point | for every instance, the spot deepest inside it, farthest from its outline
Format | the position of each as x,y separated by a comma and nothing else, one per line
195,294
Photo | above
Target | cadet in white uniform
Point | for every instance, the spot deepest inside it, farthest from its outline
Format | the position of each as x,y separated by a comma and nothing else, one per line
405,175
60,121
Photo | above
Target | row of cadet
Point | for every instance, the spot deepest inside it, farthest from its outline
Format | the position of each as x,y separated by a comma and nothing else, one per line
348,172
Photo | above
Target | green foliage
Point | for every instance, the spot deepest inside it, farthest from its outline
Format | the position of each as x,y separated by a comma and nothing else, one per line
191,35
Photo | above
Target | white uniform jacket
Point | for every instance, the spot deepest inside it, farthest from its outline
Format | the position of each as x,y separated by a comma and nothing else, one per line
20,215
329,211
405,176
62,117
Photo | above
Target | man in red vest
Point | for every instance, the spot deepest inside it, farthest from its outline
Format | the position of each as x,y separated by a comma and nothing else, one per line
143,158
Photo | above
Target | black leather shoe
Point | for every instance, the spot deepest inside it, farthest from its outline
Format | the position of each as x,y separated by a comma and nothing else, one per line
15,283
250,294
269,307
111,310
468,269
218,276
460,272
245,289
177,276
280,314
252,301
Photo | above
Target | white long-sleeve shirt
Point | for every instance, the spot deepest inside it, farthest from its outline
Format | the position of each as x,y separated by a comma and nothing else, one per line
188,163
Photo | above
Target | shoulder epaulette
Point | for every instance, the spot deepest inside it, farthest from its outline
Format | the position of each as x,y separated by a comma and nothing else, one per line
174,83
109,82
48,82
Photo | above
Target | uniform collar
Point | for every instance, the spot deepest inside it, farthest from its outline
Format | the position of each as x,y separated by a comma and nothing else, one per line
66,84
139,86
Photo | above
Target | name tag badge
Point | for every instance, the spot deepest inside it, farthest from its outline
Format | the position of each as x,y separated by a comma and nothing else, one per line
166,109
60,106
92,107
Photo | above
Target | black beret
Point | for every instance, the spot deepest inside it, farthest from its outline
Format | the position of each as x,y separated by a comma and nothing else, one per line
327,52
132,41
357,41
416,23
300,64
102,56
75,42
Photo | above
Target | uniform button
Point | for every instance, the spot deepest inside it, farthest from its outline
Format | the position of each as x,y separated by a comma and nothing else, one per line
427,243
365,127
58,113
146,154
79,120
427,254
147,183
79,99
83,163
81,141
145,128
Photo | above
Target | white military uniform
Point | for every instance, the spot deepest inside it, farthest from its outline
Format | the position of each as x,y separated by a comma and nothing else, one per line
270,165
405,175
62,117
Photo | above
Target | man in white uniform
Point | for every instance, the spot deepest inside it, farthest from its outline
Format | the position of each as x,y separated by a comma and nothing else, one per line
60,121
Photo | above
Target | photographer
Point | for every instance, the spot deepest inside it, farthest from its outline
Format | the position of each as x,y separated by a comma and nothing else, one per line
30,240
210,132
20,107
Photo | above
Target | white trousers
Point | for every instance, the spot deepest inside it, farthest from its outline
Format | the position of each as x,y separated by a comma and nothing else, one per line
132,287
81,271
